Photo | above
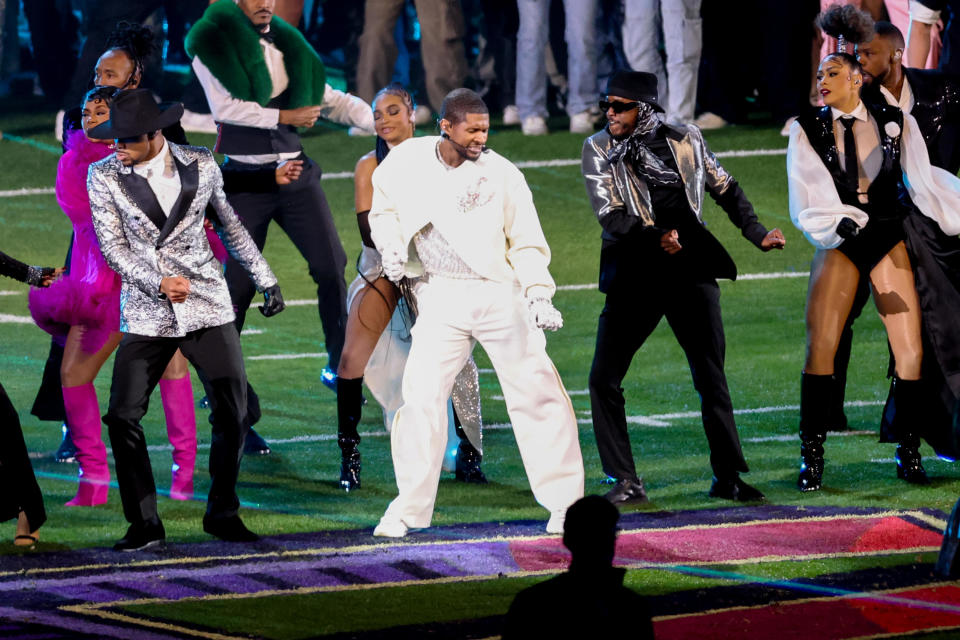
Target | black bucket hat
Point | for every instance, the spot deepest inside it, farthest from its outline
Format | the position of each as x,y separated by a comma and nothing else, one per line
635,85
134,113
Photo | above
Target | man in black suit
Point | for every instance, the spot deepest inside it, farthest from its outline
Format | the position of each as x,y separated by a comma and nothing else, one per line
646,182
929,95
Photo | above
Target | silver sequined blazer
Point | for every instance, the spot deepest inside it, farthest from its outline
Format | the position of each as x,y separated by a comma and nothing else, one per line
621,200
611,186
144,246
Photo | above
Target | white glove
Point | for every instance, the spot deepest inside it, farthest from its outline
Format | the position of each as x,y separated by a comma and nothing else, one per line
393,260
544,314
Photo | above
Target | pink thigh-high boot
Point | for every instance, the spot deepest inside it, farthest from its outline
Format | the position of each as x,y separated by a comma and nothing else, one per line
177,397
83,416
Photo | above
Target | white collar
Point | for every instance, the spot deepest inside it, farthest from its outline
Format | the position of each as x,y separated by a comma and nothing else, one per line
906,95
859,112
155,166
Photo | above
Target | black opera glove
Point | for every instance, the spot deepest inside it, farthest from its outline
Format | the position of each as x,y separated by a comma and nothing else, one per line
273,301
847,229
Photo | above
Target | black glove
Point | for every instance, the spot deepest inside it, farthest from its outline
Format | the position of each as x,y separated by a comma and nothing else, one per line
847,229
273,301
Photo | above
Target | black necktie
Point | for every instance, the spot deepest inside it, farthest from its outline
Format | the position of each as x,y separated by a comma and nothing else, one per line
851,165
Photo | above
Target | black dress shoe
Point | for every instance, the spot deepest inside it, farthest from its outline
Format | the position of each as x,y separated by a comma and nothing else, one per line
141,536
229,529
627,492
255,445
735,489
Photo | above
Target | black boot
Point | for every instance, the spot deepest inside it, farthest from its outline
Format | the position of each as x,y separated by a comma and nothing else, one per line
907,419
468,458
815,390
349,402
67,451
468,464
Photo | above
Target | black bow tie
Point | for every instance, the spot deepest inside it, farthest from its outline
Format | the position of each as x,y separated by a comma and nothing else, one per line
267,34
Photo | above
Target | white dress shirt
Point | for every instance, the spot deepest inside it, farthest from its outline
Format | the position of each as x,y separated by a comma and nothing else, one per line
906,101
337,106
867,136
162,176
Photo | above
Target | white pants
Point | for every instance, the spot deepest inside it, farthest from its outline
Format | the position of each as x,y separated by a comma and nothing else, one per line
452,315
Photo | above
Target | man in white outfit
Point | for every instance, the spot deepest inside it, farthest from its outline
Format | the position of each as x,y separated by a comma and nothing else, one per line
462,217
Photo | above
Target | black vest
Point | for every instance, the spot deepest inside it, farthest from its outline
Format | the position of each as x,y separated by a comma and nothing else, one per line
887,194
234,139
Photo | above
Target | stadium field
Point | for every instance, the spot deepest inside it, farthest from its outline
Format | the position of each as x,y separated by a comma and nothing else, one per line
858,552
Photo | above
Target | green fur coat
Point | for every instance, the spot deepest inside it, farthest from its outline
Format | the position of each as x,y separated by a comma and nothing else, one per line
227,43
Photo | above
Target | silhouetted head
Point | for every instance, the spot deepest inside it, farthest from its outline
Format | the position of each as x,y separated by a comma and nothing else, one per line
590,531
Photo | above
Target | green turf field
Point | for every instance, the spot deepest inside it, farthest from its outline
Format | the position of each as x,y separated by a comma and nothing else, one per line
295,488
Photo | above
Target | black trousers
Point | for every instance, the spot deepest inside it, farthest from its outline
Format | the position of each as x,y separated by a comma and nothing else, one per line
19,490
139,363
302,211
628,318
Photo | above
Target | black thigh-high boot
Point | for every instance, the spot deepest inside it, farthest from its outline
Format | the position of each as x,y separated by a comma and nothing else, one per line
907,421
468,457
815,390
349,402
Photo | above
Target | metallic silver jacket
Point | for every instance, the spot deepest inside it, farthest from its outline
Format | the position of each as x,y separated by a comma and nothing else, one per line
614,186
144,247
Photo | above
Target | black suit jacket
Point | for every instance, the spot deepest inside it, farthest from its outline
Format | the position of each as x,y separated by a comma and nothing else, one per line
936,107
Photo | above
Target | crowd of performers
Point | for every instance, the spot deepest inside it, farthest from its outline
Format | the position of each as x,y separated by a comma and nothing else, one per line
166,258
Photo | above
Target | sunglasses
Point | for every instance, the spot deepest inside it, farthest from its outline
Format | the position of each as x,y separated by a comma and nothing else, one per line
618,107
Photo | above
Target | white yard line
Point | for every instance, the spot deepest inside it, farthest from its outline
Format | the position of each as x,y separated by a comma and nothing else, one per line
305,302
6,318
38,191
659,420
523,164
287,356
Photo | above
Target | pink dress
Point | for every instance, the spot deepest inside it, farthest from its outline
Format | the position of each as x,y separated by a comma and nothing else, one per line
89,294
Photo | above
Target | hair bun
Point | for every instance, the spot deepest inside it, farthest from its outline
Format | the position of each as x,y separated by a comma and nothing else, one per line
847,22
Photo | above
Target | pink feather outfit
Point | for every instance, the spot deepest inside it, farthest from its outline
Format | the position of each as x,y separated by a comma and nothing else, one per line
89,293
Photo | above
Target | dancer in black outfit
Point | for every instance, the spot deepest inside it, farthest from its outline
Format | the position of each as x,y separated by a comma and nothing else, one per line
20,496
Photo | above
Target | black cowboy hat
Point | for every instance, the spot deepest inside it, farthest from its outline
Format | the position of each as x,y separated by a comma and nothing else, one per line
635,85
134,113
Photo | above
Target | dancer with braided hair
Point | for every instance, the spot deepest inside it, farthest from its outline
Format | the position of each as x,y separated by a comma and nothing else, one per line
82,312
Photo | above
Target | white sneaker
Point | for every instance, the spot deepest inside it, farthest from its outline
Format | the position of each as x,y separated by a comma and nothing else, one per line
534,126
584,122
511,115
360,132
786,127
198,122
390,528
709,120
58,125
555,523
422,115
